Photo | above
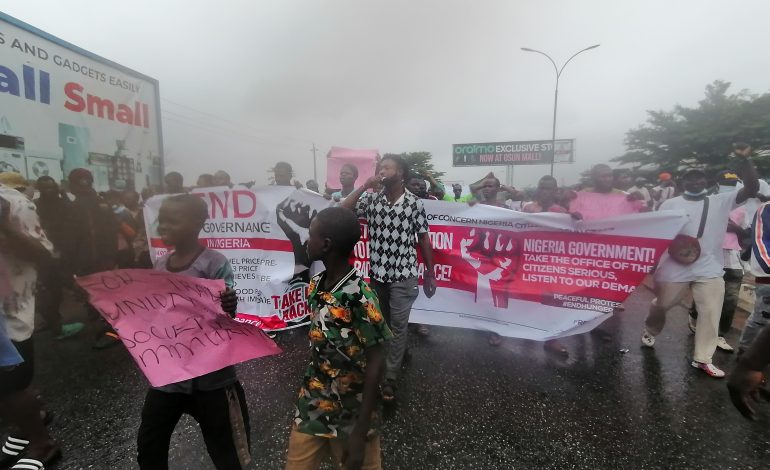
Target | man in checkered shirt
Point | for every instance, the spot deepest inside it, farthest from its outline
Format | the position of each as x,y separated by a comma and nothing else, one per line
397,224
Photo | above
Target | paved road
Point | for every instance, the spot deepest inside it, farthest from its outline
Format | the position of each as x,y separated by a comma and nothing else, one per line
464,405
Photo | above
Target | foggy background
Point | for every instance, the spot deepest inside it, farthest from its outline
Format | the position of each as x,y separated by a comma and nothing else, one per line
245,84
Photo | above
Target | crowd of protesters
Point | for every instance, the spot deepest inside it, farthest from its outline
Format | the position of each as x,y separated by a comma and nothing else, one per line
49,236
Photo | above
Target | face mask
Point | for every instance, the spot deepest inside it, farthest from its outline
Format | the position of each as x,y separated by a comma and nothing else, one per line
726,189
700,194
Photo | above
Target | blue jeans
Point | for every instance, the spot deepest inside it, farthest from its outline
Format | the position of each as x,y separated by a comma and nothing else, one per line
9,356
758,318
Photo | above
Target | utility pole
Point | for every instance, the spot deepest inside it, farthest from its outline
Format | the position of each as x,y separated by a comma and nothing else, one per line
315,166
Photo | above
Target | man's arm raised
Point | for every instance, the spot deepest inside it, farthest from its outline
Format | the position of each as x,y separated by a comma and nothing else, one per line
352,199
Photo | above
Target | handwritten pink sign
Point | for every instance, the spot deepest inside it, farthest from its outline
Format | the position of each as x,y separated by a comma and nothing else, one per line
173,325
602,205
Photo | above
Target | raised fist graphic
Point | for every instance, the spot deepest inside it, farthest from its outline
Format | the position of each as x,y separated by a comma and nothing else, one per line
294,219
494,255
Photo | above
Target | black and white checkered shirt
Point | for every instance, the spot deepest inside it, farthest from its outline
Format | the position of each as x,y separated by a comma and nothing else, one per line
393,231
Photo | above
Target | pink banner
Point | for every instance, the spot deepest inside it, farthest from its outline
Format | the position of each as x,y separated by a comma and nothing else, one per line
173,325
364,160
594,206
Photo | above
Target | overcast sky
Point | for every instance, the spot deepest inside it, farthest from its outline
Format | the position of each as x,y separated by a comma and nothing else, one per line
247,83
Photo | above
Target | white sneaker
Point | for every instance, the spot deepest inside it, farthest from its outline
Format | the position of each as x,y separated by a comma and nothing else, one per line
691,322
710,369
722,344
648,339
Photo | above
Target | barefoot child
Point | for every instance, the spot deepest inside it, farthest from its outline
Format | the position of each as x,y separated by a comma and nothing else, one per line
216,400
337,408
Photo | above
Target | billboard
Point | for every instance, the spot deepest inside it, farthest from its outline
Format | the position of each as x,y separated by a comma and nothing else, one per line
62,108
527,152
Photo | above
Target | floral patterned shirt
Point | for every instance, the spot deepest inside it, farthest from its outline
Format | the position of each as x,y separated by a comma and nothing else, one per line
20,308
344,322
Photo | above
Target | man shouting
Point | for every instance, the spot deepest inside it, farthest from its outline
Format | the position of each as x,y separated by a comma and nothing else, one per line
396,220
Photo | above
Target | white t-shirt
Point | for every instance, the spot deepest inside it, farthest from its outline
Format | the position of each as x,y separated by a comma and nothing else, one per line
753,204
711,261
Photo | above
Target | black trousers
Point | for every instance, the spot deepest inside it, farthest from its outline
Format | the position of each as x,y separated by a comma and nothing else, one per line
223,418
49,297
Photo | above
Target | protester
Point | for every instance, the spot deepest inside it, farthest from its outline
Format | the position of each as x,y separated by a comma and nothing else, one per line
436,189
396,220
665,190
419,188
546,200
24,248
95,245
174,183
759,263
598,201
216,400
282,174
584,205
640,186
623,180
147,193
694,262
348,177
127,229
487,189
485,192
337,410
140,247
457,194
747,378
205,180
221,178
733,268
54,211
312,185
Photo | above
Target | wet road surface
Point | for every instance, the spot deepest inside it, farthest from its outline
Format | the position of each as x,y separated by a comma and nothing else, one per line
463,404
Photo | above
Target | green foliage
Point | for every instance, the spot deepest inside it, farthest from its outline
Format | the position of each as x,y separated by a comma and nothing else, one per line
701,136
419,163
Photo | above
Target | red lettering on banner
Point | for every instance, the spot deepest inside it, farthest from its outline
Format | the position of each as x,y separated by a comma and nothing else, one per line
244,204
216,202
240,211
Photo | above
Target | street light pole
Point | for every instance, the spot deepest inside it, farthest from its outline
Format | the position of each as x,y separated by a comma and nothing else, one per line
556,91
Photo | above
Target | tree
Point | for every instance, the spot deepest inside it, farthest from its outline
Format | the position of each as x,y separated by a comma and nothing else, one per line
419,162
700,136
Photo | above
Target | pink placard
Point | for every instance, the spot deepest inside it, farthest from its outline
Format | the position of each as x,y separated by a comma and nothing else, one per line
173,325
363,159
602,205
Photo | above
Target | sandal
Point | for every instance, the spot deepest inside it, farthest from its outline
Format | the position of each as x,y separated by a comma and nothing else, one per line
388,391
36,464
11,451
556,347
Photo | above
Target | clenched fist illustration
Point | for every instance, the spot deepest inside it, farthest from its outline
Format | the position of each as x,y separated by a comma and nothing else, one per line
494,255
294,219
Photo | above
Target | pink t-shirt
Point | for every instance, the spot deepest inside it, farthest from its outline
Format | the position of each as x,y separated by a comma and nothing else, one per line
738,216
592,205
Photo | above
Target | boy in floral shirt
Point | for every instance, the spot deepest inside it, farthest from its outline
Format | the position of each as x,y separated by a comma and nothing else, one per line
337,409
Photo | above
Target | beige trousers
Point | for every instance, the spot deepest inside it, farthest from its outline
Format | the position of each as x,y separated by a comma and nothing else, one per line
708,295
306,452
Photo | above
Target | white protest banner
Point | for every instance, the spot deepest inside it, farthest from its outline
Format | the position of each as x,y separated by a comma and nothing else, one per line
263,232
535,276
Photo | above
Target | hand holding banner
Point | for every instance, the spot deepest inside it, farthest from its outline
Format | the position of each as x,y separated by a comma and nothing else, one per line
173,325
